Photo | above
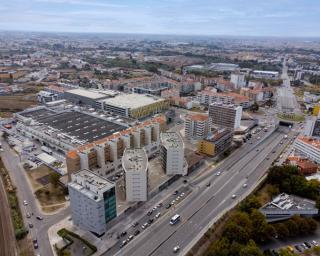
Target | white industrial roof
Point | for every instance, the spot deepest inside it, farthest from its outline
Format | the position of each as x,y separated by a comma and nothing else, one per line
132,101
87,93
46,158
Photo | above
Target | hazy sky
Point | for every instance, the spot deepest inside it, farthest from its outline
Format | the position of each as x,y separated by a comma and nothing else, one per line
205,17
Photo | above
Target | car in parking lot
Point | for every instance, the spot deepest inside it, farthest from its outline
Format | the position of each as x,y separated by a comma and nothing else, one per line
233,196
168,206
25,202
137,232
30,225
176,248
150,221
175,192
218,173
130,238
149,213
158,215
135,224
182,194
159,205
39,217
28,215
124,242
123,233
145,225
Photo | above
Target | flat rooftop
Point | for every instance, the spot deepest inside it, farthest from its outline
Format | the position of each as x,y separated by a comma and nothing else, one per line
73,125
171,139
132,101
287,202
310,141
87,93
37,113
89,183
135,160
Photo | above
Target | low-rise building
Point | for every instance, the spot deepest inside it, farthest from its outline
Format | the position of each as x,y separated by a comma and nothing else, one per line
305,166
308,147
92,201
196,126
135,165
265,74
217,142
285,206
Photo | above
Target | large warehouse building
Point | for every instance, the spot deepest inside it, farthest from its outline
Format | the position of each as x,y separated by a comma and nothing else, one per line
65,130
134,105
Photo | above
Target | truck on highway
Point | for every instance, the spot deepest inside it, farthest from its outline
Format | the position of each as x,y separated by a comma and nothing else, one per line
46,150
175,219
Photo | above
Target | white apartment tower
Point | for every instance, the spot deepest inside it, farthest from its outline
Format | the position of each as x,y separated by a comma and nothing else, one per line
196,126
135,165
172,154
92,201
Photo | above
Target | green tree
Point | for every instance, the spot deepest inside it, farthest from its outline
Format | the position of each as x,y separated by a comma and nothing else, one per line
54,178
313,225
249,204
261,229
303,225
292,227
286,252
281,230
251,249
254,107
220,247
234,232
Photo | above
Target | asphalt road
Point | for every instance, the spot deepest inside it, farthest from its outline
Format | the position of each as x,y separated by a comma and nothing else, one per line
19,178
206,205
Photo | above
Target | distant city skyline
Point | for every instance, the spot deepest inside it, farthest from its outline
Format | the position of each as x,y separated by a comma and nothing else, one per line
181,17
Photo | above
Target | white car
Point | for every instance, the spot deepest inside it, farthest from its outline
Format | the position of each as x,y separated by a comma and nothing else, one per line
245,185
25,202
158,215
233,196
218,173
176,248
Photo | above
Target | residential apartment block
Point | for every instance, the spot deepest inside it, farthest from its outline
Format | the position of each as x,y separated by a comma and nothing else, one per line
105,155
92,201
225,115
135,165
309,147
218,141
172,154
196,126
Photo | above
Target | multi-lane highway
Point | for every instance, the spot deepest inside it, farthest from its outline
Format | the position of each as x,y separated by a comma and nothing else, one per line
207,204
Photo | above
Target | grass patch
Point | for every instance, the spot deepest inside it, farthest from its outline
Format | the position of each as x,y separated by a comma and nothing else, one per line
16,216
74,241
291,117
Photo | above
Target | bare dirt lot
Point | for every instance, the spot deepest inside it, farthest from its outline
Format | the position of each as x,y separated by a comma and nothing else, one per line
17,102
51,197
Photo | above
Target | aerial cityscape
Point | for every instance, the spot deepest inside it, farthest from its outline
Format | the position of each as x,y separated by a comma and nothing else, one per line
158,128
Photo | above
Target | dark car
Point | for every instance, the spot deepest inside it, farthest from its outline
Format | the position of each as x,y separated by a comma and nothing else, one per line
35,243
168,206
135,224
39,218
123,233
299,248
176,192
149,213
208,184
150,221
308,244
137,232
